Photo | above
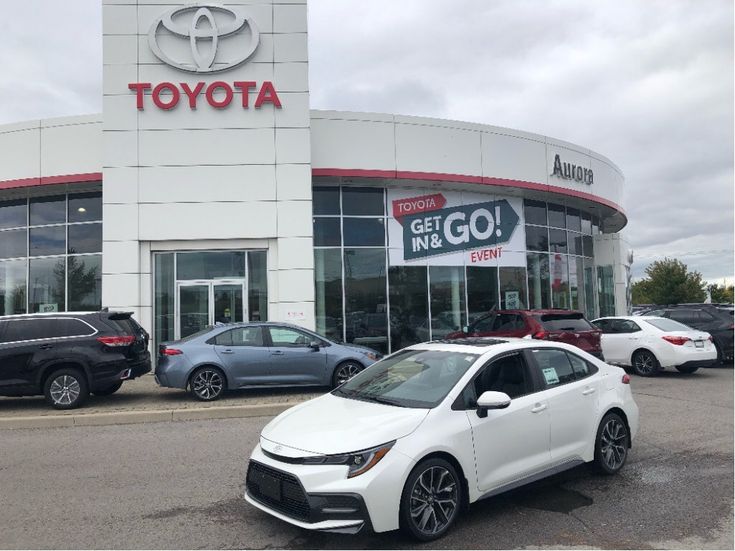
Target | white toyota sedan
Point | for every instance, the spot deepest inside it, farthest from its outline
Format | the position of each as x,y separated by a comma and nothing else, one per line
649,344
412,440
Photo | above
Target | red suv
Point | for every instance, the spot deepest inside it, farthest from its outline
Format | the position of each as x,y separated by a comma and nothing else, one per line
552,325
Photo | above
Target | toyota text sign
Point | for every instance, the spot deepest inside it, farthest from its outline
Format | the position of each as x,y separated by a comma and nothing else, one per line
457,229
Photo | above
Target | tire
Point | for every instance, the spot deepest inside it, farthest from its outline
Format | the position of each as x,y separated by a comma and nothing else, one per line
645,363
66,388
345,371
611,444
425,499
720,355
207,384
687,369
112,389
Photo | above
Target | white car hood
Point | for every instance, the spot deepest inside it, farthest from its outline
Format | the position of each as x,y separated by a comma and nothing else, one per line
333,425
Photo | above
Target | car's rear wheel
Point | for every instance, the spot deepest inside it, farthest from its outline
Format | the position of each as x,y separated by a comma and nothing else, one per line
66,389
344,372
645,363
112,389
207,384
431,500
687,368
611,446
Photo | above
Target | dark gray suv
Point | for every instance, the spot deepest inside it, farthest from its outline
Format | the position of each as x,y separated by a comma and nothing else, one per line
241,355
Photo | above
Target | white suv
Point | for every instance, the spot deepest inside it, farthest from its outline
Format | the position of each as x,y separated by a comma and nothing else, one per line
434,427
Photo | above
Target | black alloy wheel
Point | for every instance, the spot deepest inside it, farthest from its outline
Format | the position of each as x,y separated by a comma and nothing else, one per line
344,372
207,384
611,446
431,500
645,363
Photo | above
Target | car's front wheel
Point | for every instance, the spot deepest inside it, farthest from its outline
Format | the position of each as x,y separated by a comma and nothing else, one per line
344,372
431,500
207,384
645,363
66,389
611,446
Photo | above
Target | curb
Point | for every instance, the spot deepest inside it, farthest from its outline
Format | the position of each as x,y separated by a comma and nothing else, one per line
147,416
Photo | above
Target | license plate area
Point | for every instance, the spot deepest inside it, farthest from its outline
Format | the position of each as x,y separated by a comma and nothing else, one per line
269,486
698,344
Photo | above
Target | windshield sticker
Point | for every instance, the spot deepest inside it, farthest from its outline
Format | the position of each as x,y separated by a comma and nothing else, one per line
550,375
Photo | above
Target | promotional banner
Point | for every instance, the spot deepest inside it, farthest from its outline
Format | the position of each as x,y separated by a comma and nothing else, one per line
455,229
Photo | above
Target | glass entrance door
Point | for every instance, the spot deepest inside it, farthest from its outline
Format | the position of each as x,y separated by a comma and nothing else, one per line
203,303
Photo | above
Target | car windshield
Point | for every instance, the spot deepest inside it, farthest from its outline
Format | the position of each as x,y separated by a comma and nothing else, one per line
665,324
409,378
564,322
199,333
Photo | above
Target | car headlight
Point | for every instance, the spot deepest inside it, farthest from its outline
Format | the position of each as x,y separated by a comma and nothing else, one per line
372,355
358,462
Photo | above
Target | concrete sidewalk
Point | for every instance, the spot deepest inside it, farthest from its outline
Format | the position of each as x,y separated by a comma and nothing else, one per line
143,401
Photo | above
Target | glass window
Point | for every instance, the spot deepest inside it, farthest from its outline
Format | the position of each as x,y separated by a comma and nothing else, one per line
46,285
364,232
47,241
576,283
537,239
573,220
538,280
446,289
84,278
587,246
85,238
210,265
557,216
554,366
68,327
366,320
513,289
606,290
325,200
409,305
85,207
582,368
48,210
625,326
667,325
13,214
12,287
595,225
483,325
559,281
31,329
572,321
358,201
589,289
586,223
535,212
482,290
557,241
289,338
13,243
507,375
575,243
327,232
508,322
257,285
328,295
164,297
242,336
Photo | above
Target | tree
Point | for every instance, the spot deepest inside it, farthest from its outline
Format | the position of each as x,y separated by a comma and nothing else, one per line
721,293
669,281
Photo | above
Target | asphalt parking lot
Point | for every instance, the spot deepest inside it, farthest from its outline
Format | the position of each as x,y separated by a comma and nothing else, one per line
179,485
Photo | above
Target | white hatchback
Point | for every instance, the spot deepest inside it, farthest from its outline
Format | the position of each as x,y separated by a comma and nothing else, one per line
411,441
649,344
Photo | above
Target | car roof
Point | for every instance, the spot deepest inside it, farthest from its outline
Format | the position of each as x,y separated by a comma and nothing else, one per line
488,346
46,314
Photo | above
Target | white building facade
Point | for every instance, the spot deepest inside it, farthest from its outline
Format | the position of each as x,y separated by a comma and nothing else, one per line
207,190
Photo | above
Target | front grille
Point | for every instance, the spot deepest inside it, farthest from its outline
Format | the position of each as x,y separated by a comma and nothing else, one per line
290,499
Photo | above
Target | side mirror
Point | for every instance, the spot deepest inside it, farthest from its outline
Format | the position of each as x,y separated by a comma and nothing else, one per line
316,345
491,400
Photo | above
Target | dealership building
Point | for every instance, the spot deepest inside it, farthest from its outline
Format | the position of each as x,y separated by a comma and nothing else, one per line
208,191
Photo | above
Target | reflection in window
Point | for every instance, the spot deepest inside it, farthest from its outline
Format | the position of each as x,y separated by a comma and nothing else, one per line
557,216
12,287
559,281
84,275
47,241
482,290
13,214
164,297
13,243
85,238
538,280
446,289
328,292
606,290
589,289
576,284
575,243
48,210
327,232
535,212
409,305
85,207
257,285
325,200
364,232
366,307
537,238
573,220
46,284
513,288
210,265
358,201
557,241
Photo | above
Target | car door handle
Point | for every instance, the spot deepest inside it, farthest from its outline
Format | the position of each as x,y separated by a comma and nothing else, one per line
228,351
537,408
587,391
46,346
278,353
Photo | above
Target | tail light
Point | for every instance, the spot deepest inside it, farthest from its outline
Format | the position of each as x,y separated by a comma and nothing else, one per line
165,351
678,341
626,379
539,335
120,340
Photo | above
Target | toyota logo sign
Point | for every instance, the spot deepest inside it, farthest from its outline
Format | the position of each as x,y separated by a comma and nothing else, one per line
197,24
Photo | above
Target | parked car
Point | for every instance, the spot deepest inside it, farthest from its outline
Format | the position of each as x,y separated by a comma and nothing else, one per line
242,355
649,344
552,325
715,320
65,356
415,438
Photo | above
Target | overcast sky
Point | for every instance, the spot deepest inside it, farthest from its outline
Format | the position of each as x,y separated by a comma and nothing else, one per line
648,84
